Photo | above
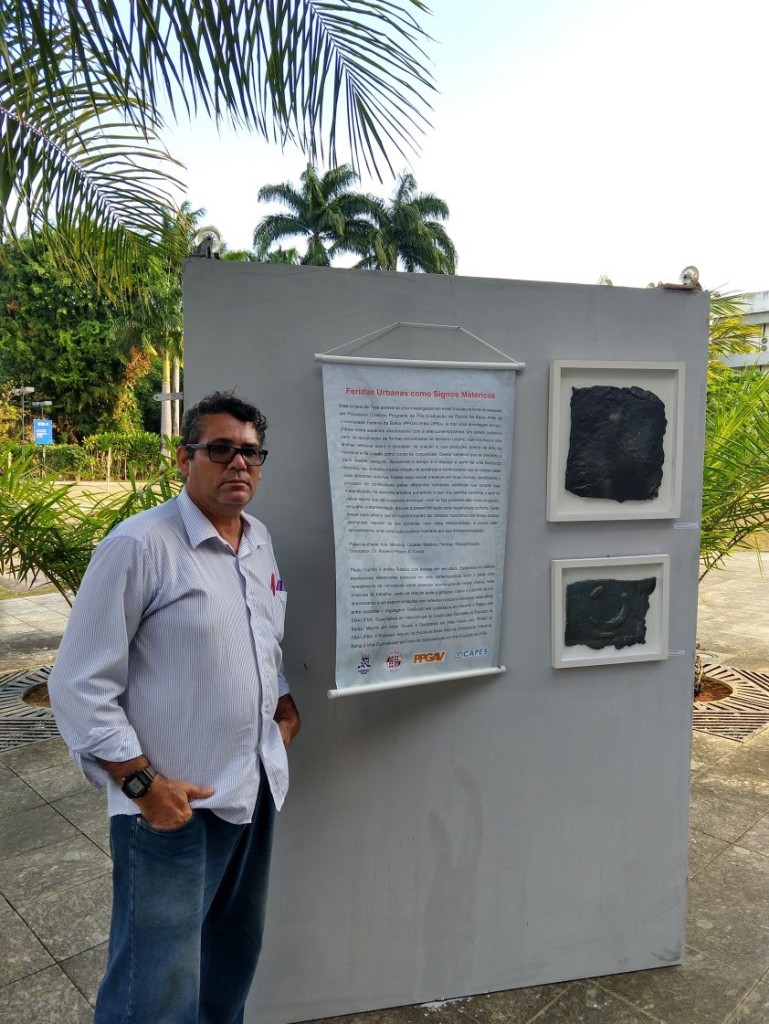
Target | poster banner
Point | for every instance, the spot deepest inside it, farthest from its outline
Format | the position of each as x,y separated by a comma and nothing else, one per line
419,461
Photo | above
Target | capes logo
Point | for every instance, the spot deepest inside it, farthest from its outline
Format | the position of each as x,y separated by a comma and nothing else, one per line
476,652
434,656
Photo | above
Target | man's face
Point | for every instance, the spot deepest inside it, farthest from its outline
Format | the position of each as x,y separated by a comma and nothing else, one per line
220,491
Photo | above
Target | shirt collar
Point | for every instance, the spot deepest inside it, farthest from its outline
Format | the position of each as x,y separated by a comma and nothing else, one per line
199,527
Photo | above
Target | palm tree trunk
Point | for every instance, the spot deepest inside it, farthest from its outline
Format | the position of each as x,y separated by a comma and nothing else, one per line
175,405
165,407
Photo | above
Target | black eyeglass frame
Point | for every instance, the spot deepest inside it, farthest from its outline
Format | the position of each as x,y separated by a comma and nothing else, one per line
258,454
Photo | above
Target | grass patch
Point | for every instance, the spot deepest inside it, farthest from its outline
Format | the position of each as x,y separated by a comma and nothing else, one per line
5,594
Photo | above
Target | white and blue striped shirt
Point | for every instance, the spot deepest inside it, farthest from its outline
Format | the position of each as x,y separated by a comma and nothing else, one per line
173,651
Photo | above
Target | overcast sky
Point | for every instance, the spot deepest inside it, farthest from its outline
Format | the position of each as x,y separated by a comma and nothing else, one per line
570,138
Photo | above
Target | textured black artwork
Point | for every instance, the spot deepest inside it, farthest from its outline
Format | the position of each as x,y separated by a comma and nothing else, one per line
606,613
615,445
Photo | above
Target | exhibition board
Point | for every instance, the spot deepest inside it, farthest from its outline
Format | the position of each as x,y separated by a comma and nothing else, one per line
489,831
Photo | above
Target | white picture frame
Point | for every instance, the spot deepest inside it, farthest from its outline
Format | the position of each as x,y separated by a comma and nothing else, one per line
666,380
624,567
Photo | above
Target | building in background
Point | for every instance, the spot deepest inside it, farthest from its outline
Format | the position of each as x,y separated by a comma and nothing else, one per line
758,313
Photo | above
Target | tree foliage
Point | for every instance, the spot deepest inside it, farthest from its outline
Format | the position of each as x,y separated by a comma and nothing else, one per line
88,354
406,232
324,210
82,86
735,498
730,331
153,325
409,232
55,335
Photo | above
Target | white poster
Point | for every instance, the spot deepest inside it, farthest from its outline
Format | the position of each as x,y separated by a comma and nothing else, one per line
419,461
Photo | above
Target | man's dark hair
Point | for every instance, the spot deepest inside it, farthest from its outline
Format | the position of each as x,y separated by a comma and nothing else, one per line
218,402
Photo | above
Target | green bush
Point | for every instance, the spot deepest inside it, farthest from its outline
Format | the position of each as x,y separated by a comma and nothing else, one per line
68,461
133,456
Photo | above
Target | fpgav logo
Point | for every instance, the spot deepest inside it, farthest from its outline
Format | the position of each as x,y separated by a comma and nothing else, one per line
420,659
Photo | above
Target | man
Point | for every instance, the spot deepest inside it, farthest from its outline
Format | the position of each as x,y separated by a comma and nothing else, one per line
169,688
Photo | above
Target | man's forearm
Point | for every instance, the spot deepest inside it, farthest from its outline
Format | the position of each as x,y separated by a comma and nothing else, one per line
120,769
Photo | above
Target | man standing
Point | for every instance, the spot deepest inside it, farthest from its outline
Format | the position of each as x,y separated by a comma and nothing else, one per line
169,688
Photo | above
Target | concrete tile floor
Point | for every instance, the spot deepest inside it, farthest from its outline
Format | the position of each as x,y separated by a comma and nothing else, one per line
54,865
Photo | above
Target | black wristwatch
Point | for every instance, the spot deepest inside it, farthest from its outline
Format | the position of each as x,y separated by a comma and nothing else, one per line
138,783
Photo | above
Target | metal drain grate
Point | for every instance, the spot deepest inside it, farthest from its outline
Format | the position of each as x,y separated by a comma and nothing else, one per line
735,718
22,723
743,713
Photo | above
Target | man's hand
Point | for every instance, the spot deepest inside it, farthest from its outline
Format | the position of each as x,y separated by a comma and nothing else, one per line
167,804
287,717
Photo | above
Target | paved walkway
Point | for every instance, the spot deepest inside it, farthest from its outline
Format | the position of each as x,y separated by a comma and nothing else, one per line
30,630
733,618
54,864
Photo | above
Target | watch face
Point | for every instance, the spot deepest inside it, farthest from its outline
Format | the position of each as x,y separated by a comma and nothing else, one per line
135,787
138,783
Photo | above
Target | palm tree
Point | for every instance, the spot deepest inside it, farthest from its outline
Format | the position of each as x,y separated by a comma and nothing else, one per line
735,486
81,86
277,255
730,330
324,210
155,323
288,257
410,233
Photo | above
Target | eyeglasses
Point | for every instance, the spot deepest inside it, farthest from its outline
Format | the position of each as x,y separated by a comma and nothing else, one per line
225,453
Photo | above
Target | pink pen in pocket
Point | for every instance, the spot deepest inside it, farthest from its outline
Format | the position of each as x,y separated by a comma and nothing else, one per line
276,585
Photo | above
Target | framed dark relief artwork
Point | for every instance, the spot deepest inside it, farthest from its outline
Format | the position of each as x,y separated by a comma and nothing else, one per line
609,610
615,440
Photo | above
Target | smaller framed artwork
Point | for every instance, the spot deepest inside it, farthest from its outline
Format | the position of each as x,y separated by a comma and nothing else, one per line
606,611
615,442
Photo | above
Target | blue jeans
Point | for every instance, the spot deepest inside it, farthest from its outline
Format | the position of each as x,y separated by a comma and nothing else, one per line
187,918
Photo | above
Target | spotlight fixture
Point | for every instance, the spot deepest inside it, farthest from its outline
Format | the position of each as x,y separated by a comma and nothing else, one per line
208,241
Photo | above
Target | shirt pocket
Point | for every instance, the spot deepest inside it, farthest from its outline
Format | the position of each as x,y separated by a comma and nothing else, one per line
279,613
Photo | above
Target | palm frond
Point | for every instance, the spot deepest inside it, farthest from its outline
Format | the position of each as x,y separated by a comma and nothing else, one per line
46,531
81,84
730,331
79,174
276,227
281,67
735,499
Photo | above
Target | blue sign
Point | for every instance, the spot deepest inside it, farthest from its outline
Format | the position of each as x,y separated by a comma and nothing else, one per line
43,430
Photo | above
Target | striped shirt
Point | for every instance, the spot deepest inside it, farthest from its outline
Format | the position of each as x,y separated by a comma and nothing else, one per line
172,651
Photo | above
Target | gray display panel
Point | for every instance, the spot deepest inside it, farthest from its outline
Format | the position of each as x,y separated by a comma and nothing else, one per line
483,834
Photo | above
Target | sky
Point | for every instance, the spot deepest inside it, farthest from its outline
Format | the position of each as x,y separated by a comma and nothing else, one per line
570,139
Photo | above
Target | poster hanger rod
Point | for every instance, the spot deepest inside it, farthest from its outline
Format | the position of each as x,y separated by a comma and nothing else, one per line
508,362
324,357
402,684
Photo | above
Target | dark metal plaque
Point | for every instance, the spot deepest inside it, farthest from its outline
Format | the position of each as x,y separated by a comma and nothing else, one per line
616,443
607,613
